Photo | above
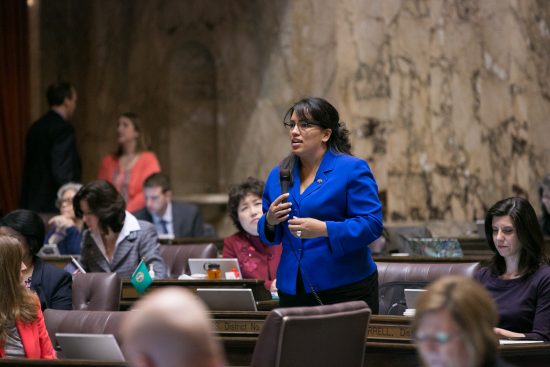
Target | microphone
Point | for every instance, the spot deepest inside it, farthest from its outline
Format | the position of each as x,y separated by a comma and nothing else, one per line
284,178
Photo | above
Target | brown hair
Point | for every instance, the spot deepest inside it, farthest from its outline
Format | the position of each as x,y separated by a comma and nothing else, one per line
470,306
17,302
142,143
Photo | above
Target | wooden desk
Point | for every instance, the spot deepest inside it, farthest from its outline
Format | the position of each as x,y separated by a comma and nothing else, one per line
129,295
58,261
388,341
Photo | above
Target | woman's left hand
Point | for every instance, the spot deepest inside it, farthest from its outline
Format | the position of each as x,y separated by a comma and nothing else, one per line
307,227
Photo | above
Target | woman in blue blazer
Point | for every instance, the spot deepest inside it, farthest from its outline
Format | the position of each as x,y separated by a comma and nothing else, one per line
329,216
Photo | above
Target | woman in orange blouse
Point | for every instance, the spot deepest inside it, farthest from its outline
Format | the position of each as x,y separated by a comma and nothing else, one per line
131,164
22,329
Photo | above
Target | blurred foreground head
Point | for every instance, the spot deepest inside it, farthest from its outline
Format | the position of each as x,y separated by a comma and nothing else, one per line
454,324
168,328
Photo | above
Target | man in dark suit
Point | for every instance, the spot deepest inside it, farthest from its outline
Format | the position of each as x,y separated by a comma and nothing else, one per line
169,217
51,158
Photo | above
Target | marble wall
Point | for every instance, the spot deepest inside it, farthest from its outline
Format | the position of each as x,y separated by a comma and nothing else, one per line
448,100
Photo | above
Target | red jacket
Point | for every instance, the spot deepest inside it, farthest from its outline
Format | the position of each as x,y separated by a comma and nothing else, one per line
35,339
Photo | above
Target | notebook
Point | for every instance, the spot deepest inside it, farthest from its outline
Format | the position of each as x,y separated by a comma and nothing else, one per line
411,296
435,247
228,299
200,266
98,347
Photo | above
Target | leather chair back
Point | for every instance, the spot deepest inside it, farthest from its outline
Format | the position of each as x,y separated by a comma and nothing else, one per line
96,292
394,277
83,322
320,336
176,256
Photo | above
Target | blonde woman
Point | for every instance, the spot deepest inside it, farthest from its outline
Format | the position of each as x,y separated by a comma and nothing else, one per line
22,330
454,325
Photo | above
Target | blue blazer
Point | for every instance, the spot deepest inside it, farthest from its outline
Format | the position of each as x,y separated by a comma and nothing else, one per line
52,285
344,195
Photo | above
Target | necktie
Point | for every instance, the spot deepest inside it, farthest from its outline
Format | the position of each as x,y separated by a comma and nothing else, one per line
164,227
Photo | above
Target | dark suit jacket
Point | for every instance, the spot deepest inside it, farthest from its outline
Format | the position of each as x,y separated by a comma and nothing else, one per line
52,285
51,160
186,218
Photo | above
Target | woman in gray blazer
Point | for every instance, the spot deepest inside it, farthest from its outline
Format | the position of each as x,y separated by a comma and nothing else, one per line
114,241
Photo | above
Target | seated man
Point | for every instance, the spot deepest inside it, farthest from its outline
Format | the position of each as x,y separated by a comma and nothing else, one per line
169,217
170,328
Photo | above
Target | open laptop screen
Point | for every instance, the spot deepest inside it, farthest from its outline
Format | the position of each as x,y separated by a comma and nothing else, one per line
227,299
98,347
229,265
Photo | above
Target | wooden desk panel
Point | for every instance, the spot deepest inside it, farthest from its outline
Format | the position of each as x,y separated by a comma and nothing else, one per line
388,341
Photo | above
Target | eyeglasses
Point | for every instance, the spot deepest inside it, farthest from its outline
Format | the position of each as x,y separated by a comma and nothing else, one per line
67,201
440,337
302,125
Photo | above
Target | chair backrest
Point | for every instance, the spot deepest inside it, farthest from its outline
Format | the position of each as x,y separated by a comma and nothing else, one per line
320,336
96,292
394,277
176,256
83,322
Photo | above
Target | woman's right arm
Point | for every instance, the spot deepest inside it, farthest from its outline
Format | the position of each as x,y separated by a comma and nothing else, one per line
106,168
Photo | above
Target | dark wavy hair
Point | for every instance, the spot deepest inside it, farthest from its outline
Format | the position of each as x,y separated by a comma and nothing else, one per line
105,202
322,113
237,192
29,225
545,218
526,225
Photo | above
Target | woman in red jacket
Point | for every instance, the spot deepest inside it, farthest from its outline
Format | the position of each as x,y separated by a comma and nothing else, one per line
22,329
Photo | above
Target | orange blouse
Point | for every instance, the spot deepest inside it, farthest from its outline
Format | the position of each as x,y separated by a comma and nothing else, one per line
130,183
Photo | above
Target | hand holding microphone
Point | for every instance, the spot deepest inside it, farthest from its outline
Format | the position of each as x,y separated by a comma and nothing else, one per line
278,210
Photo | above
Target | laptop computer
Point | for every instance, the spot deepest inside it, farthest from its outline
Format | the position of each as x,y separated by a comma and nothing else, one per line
434,247
411,296
228,299
98,347
200,266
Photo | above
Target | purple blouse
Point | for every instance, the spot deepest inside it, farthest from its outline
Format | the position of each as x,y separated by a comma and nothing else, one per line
523,303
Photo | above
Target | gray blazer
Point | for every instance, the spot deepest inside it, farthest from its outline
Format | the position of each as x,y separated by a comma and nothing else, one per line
139,244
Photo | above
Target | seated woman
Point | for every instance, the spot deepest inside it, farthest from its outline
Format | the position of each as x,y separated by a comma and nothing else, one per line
544,192
23,332
518,274
131,163
52,285
256,260
454,324
65,230
114,241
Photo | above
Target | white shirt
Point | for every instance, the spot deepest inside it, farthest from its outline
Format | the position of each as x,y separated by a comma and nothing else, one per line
131,224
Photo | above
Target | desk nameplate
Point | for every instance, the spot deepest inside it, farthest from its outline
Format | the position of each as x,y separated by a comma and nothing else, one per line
238,326
395,329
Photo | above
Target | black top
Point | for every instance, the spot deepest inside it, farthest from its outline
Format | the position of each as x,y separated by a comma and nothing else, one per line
51,160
